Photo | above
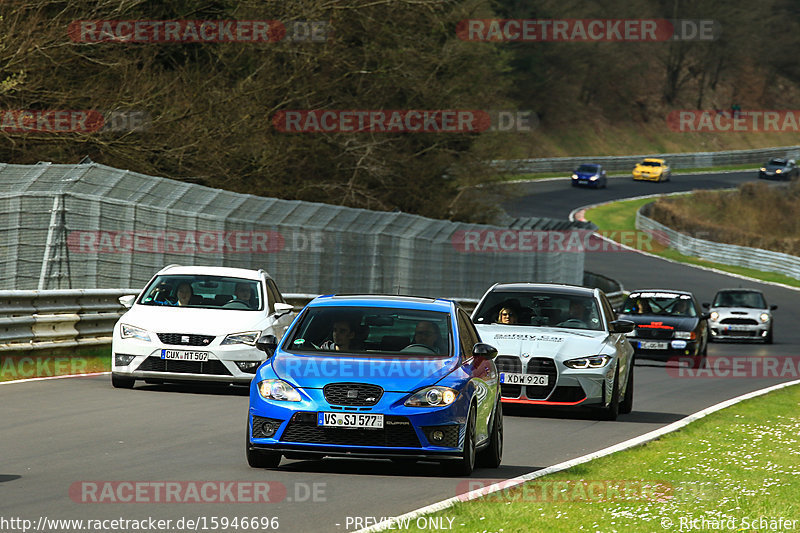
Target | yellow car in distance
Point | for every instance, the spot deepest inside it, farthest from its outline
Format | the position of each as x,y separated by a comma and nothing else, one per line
652,170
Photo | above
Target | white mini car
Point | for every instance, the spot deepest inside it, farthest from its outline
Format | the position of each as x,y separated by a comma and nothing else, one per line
558,345
193,323
741,314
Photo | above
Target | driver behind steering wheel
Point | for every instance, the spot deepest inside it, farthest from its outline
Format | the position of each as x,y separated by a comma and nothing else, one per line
243,293
427,334
577,313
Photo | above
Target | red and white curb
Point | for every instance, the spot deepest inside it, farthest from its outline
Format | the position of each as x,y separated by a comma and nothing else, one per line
391,523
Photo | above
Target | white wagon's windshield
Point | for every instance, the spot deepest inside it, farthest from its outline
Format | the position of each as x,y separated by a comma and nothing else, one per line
206,292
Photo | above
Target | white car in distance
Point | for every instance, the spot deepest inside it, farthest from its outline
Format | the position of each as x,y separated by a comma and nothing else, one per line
195,323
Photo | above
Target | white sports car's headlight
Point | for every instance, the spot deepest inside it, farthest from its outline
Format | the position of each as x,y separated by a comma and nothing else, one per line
595,361
277,389
132,332
432,397
714,316
764,317
247,337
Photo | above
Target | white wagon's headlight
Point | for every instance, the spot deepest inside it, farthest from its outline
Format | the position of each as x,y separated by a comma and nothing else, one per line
595,361
132,332
714,316
764,317
247,337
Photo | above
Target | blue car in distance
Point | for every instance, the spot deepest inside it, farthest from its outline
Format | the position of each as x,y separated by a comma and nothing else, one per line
395,377
589,175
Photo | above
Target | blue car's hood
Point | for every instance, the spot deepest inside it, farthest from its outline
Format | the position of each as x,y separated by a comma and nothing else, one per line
397,374
585,174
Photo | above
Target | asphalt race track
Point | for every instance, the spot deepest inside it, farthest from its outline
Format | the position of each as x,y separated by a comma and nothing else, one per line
56,434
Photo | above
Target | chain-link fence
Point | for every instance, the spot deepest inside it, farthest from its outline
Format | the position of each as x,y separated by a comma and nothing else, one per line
92,226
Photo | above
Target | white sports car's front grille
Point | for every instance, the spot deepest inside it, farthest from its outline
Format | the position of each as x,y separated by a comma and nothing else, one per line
536,365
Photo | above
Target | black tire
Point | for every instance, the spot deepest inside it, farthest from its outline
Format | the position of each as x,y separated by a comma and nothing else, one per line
260,458
768,338
492,455
612,411
699,361
626,406
120,382
466,463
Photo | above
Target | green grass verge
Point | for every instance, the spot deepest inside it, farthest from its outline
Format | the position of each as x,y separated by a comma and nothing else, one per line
736,466
621,216
542,175
24,364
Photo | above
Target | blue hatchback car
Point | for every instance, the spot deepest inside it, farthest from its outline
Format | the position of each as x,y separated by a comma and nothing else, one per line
394,377
590,175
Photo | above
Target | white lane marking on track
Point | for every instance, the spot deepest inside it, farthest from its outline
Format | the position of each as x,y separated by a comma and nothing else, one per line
636,441
26,380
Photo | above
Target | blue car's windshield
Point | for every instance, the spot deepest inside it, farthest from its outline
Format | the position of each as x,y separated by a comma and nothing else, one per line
371,330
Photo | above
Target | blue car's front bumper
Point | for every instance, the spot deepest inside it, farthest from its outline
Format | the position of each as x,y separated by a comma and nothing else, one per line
291,428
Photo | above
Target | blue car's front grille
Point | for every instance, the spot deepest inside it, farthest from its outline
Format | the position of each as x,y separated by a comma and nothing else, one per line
358,394
397,432
212,366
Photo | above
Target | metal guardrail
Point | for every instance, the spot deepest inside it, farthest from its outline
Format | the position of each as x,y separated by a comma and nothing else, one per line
727,254
31,320
675,161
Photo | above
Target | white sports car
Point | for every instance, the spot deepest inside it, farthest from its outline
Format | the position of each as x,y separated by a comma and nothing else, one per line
558,345
195,323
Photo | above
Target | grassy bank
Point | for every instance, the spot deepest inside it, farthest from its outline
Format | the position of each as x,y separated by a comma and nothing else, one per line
733,467
27,364
621,217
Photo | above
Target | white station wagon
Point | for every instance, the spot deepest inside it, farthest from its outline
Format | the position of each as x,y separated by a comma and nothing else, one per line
193,323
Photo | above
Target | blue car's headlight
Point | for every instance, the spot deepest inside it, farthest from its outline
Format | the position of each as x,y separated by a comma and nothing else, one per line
595,361
247,337
132,332
594,178
432,397
277,389
574,176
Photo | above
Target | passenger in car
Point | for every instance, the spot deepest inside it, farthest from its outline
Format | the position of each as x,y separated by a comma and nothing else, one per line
507,316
